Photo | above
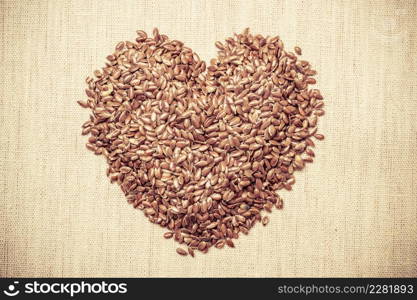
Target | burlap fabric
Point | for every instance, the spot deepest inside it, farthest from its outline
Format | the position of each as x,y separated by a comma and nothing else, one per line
353,212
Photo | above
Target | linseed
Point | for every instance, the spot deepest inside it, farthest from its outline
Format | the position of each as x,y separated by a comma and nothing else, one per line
203,149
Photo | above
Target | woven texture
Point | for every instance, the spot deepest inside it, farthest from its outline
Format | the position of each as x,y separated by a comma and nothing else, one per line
353,212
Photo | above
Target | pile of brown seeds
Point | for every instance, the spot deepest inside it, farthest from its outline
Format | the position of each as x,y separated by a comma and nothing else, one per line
202,150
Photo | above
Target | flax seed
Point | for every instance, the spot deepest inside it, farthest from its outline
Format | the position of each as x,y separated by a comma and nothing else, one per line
202,148
181,251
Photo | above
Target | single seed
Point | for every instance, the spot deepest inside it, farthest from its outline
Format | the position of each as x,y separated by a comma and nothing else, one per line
230,243
220,244
168,235
191,251
279,204
181,251
319,136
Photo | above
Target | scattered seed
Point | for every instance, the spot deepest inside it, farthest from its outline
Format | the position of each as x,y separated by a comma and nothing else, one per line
230,243
168,235
181,251
191,251
265,220
220,244
279,204
319,136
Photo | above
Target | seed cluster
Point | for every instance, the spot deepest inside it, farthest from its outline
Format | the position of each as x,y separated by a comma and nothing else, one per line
202,150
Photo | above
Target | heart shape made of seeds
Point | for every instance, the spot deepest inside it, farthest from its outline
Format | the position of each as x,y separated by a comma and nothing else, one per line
202,150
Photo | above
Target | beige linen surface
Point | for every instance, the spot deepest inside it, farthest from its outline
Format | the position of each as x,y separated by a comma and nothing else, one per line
352,212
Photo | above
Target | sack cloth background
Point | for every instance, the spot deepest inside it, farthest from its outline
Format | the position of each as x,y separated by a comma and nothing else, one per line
353,212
